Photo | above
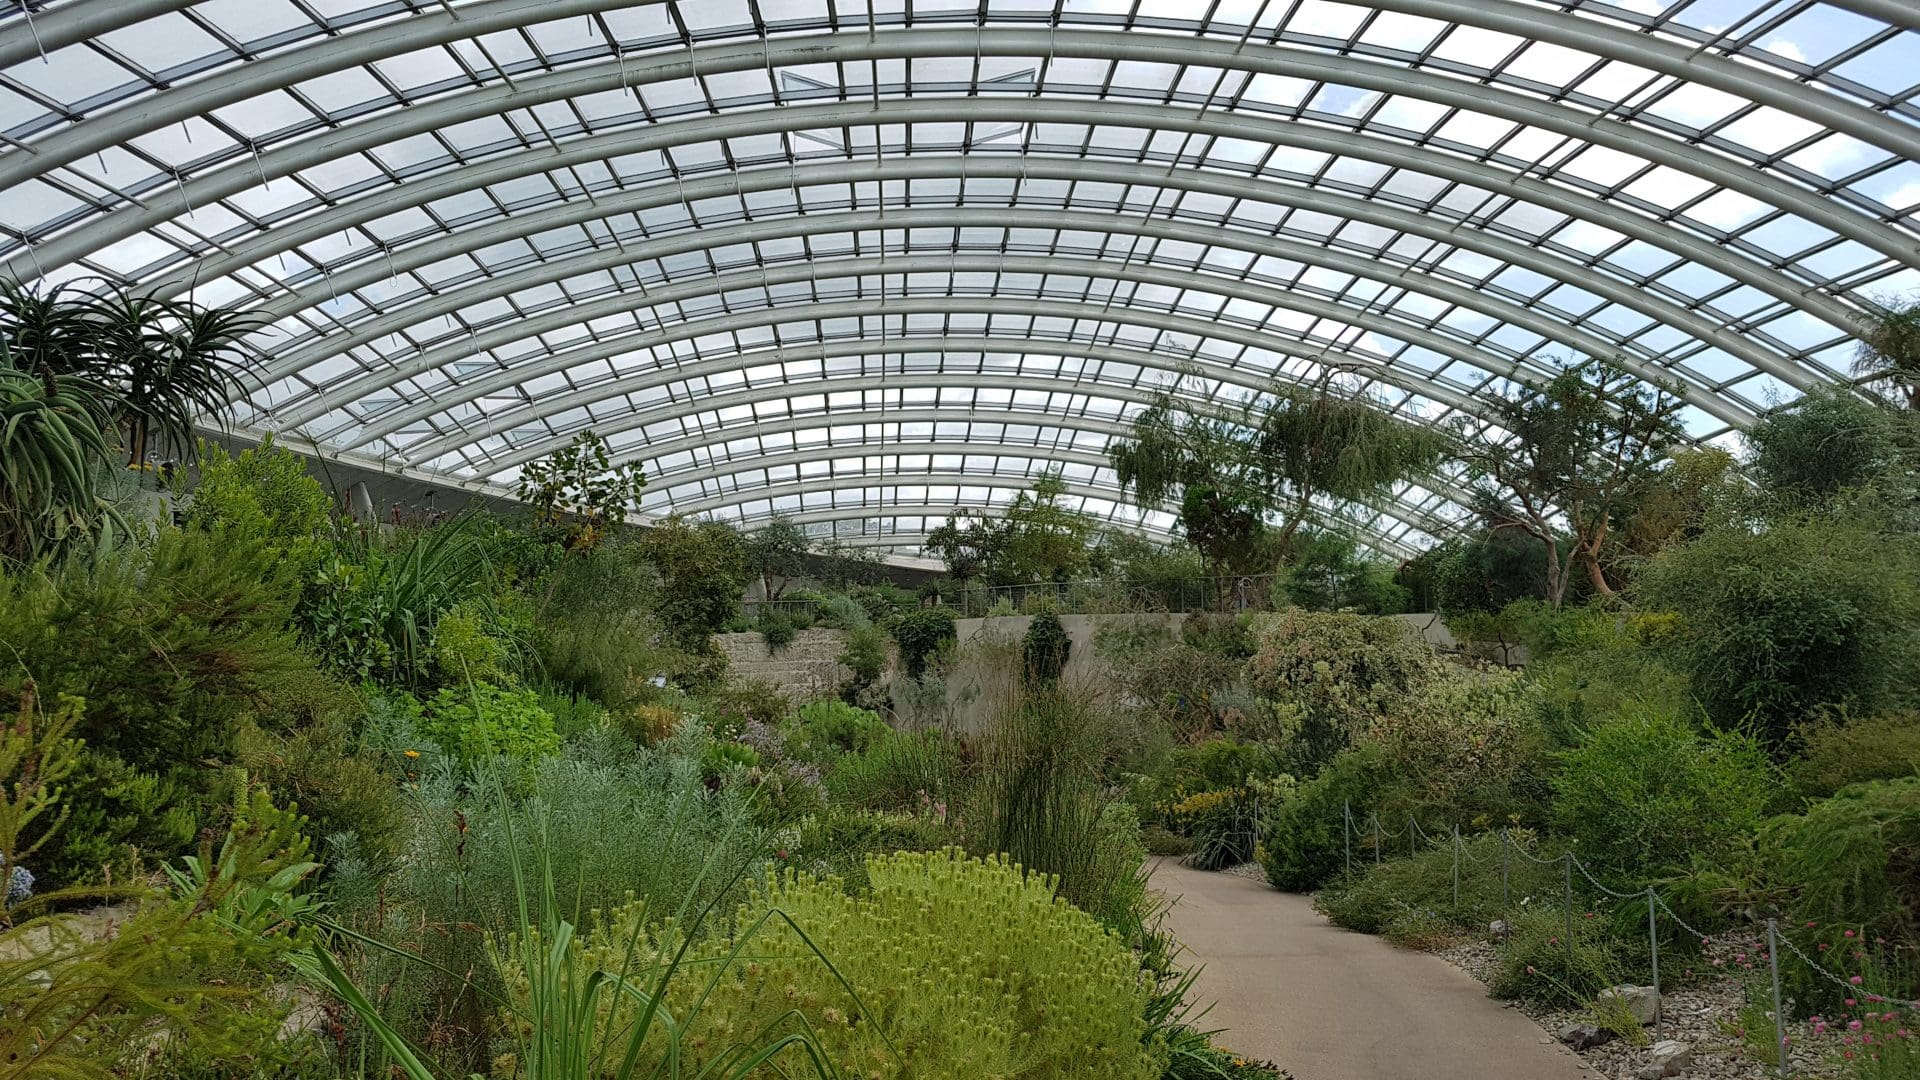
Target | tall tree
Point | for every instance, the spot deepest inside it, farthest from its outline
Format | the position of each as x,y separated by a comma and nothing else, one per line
1563,458
1889,352
1247,477
777,553
1036,539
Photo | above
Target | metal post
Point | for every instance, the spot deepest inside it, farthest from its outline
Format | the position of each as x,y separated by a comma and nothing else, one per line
1653,942
1569,906
1376,839
1410,828
1346,834
1506,873
1779,1018
1456,869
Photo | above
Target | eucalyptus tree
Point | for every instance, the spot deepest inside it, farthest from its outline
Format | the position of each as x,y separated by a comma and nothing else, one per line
1246,477
1560,461
777,553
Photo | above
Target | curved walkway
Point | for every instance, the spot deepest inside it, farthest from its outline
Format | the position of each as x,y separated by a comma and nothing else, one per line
1328,1004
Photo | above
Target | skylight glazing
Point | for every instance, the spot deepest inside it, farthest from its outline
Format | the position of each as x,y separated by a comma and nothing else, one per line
867,261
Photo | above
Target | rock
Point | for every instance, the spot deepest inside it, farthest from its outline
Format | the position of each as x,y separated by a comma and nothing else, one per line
1669,1057
1498,930
1642,1001
1585,1036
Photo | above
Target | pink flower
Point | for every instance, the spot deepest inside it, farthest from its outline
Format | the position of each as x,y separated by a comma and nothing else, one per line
1530,970
1851,1003
1849,933
1855,980
1824,946
1853,1025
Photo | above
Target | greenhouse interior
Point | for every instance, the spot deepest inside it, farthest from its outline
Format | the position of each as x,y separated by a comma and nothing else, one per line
959,539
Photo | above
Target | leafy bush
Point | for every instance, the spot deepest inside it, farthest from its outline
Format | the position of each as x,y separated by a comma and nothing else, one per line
1845,750
1829,442
1536,964
1177,682
1303,846
702,569
865,656
649,724
484,720
969,967
1471,748
371,610
827,729
264,493
1853,861
345,791
1644,793
898,773
729,710
173,649
921,633
776,627
1331,675
837,843
1044,649
1779,623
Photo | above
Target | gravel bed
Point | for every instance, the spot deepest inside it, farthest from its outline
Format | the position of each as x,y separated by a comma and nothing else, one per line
1247,870
1704,1013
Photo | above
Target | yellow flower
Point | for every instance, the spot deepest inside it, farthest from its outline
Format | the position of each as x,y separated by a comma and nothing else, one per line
411,753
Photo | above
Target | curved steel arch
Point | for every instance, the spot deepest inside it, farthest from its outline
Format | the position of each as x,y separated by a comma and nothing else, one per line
774,316
1638,141
1020,452
359,387
1139,395
472,20
1561,199
932,478
1442,486
443,299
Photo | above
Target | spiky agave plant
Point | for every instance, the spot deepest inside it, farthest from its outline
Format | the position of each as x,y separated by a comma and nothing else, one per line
52,446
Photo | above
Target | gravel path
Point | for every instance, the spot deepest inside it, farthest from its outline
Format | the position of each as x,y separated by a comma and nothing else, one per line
1327,1004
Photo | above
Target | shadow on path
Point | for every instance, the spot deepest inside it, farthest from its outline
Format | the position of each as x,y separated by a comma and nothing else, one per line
1328,1004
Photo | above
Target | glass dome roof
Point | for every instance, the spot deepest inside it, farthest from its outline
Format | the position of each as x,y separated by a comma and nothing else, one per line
863,262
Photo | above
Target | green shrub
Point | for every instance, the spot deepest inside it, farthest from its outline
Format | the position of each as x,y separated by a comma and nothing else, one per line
1303,845
900,773
1330,675
1044,649
701,569
827,729
264,493
1536,964
482,720
1829,442
864,657
1410,900
1179,683
730,709
1777,624
1852,863
970,968
1844,750
371,608
1645,793
838,842
777,628
921,634
346,792
1471,748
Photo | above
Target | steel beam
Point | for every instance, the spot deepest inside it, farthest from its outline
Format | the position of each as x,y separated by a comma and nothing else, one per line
1028,453
908,44
446,298
383,201
25,37
357,388
775,492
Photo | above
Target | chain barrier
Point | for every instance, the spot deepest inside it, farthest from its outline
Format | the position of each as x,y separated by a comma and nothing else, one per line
1656,905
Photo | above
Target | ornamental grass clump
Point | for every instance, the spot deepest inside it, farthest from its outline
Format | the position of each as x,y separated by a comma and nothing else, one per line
966,967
